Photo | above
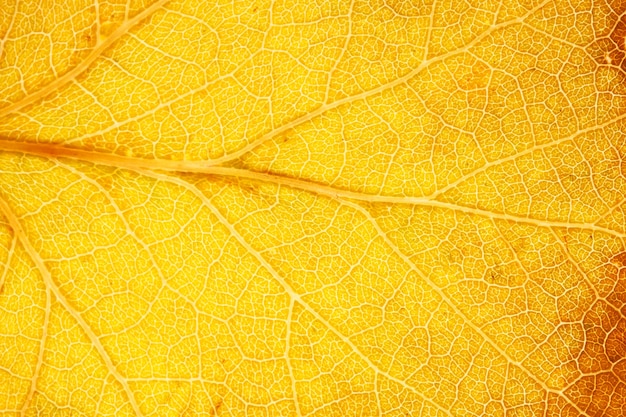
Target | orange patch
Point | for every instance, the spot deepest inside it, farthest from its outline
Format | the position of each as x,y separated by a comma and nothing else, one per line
601,390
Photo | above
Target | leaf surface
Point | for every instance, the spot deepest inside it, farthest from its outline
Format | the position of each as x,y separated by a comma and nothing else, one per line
313,208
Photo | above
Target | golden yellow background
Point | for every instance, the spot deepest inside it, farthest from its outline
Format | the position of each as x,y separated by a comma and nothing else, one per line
312,208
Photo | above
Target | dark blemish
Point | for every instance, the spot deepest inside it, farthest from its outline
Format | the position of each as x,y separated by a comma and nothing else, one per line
611,50
218,405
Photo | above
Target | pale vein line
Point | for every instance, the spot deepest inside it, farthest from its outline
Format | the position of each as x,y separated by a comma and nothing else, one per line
230,75
289,290
611,210
96,5
527,151
42,349
377,393
335,193
140,165
100,397
585,275
289,125
9,29
361,96
118,211
429,30
130,232
44,336
288,360
575,264
449,302
84,64
344,49
51,285
9,258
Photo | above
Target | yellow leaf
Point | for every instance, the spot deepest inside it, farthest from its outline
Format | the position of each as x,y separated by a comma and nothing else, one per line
313,208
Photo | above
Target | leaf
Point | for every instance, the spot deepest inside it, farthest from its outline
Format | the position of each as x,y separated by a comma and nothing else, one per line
313,208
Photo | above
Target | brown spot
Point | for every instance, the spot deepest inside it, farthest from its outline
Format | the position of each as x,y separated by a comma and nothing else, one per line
217,406
247,187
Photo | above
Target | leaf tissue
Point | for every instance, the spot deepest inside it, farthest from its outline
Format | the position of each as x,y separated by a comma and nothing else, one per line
312,208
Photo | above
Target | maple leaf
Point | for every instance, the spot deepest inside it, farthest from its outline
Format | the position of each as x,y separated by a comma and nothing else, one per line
313,208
